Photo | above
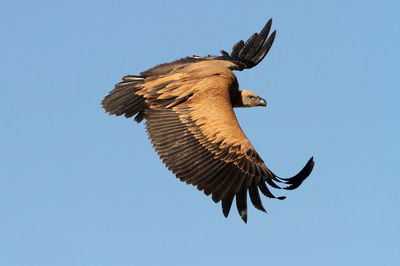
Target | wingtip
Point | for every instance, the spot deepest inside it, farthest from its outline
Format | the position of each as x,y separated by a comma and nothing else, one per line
264,49
310,164
298,179
261,208
226,204
295,181
243,215
269,23
273,35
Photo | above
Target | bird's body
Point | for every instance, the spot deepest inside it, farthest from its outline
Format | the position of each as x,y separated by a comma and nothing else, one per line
188,107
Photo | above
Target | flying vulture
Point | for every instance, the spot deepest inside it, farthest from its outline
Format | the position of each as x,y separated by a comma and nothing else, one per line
188,107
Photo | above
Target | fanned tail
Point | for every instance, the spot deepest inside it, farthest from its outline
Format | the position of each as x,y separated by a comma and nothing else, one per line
122,100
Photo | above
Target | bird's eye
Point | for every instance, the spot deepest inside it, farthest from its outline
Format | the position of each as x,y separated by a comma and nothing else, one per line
250,96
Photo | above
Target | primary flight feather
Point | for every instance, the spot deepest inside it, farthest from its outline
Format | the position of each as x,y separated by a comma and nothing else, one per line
188,107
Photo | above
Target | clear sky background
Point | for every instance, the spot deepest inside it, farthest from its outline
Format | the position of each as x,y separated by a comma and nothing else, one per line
79,187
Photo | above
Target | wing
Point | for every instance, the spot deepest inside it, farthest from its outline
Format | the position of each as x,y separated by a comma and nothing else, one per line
243,55
194,130
248,54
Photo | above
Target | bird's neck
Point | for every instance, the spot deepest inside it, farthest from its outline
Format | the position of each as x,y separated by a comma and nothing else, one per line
236,99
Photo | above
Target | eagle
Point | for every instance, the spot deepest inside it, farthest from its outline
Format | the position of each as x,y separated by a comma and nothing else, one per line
188,106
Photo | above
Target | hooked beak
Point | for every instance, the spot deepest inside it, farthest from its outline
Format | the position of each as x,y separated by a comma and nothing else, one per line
262,102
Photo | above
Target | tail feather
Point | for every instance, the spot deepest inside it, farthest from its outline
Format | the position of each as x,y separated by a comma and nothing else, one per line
123,100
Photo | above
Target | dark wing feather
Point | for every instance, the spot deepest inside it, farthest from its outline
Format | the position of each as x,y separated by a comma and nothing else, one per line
248,54
227,204
243,55
236,49
255,197
241,203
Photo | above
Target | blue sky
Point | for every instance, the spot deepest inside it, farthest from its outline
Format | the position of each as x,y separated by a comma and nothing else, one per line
79,187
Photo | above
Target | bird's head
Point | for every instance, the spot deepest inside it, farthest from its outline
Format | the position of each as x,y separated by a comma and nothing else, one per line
250,99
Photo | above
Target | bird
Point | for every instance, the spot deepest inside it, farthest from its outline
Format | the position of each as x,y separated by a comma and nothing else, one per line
187,105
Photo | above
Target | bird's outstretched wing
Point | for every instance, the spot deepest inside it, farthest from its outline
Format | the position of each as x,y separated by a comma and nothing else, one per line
243,55
248,54
194,130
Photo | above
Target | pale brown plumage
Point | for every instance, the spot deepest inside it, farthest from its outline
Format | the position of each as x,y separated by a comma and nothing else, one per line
188,107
